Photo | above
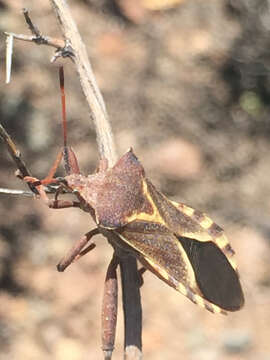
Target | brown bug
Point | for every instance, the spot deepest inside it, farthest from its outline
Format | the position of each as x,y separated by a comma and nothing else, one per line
180,245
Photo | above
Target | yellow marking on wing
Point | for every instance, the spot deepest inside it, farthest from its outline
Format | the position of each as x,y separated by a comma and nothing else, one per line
231,260
218,310
206,222
186,209
221,241
162,272
154,217
182,289
233,264
200,236
197,299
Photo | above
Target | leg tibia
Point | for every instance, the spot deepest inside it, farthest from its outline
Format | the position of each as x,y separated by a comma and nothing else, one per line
75,251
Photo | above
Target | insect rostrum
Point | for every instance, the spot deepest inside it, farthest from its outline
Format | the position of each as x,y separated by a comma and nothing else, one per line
182,246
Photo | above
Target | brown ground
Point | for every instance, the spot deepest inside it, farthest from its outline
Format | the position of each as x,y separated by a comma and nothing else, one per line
188,89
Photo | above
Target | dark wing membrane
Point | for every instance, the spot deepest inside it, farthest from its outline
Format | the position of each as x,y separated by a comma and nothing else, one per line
161,252
216,279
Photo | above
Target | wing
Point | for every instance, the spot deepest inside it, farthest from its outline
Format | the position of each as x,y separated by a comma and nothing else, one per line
187,250
198,270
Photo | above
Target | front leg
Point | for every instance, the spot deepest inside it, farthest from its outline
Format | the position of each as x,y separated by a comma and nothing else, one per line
77,250
51,203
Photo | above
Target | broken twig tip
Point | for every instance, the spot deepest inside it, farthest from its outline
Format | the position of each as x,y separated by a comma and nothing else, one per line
107,354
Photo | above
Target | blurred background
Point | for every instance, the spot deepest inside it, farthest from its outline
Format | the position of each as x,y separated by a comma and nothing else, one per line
187,85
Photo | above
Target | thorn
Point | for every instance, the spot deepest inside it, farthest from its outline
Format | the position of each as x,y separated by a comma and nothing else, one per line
9,50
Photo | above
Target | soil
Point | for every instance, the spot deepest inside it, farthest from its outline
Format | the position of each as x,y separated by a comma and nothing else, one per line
188,88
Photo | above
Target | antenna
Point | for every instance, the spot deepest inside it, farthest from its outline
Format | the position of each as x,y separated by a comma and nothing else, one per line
63,100
70,161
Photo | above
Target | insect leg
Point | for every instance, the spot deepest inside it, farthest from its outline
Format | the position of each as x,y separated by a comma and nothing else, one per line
76,249
85,251
52,203
49,178
66,153
109,309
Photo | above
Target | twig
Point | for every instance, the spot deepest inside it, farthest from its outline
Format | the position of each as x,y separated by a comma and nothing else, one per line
16,192
132,313
22,170
33,28
16,156
37,36
14,152
43,40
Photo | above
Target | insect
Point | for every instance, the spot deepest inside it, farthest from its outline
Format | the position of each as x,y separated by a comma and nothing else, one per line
180,245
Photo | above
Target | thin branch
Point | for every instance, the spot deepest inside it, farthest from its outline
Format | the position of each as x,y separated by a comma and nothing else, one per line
42,40
37,36
33,28
22,170
16,156
16,192
14,152
132,313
